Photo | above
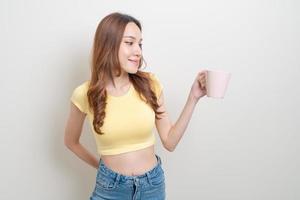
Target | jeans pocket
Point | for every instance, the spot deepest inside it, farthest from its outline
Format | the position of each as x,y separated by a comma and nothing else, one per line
158,178
105,183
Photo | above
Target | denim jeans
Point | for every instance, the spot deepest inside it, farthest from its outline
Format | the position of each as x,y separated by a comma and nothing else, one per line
111,185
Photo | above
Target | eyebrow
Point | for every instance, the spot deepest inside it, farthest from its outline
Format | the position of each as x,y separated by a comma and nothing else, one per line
132,37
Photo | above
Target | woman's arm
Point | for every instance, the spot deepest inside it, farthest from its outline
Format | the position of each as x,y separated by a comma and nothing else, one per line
73,131
169,133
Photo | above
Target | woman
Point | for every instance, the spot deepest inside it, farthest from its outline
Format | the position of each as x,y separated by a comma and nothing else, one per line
122,104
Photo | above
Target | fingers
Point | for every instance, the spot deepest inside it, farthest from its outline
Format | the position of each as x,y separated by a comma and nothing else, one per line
202,82
202,79
202,73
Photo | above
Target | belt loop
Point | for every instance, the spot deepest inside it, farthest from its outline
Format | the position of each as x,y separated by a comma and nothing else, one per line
149,178
99,164
117,179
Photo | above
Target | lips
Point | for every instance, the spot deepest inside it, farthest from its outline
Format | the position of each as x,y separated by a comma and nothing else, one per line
134,61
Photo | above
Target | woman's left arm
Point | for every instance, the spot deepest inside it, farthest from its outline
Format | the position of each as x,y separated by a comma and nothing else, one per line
170,134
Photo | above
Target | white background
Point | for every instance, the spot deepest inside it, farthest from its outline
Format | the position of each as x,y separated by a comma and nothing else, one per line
242,147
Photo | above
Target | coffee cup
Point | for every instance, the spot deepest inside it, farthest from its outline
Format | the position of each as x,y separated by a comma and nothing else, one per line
216,83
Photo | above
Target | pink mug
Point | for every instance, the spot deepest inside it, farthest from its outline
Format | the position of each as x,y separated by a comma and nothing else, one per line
216,83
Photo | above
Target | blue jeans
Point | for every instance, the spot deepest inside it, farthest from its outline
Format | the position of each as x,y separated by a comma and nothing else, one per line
111,185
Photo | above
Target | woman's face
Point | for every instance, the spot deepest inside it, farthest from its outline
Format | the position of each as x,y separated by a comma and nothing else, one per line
130,51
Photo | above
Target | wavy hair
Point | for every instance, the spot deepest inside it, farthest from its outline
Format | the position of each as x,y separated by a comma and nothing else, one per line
105,64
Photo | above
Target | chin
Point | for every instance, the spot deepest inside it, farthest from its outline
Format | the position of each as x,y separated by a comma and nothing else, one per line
132,71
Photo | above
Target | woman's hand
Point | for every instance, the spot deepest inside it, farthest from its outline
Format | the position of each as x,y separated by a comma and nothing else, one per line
198,89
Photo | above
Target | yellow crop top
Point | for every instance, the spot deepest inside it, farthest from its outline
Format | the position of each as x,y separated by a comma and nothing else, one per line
128,123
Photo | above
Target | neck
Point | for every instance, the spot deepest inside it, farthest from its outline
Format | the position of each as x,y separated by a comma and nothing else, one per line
121,81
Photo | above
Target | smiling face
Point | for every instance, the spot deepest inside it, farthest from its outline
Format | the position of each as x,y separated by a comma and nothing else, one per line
130,51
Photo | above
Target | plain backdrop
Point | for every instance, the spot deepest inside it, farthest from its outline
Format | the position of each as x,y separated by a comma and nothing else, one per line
242,147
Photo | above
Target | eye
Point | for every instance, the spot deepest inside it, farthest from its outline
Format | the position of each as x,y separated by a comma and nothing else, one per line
130,43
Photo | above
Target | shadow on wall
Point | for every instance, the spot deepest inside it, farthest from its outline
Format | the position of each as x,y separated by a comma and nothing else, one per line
78,176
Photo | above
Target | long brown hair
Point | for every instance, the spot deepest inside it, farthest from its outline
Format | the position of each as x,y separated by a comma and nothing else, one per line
105,63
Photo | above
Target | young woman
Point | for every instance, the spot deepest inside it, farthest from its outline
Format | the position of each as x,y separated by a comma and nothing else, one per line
122,104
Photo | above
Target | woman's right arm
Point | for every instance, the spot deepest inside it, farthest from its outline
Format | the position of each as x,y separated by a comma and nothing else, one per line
73,131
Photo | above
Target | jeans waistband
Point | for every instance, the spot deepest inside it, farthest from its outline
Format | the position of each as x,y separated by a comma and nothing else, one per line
112,174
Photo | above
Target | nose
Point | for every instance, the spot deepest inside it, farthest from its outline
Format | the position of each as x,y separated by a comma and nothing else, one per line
138,51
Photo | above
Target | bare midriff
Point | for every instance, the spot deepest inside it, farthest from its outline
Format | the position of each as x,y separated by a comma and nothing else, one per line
131,163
